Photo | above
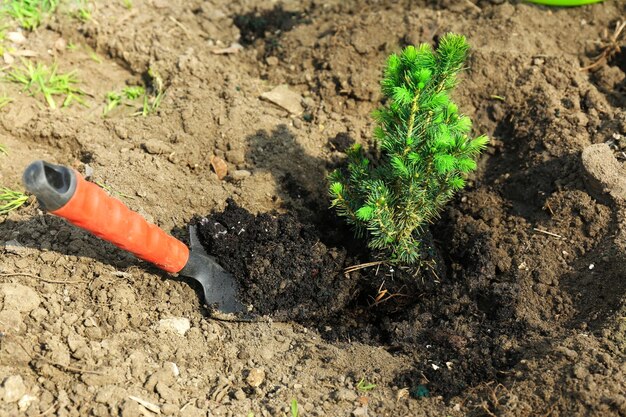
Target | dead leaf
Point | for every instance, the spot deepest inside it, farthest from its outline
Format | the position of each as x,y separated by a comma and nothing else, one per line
232,49
282,96
219,166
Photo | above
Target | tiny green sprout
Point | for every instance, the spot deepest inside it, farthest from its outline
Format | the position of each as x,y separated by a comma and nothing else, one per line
29,13
294,408
11,200
151,102
364,386
115,99
3,149
426,152
128,4
133,92
82,10
94,56
47,81
71,46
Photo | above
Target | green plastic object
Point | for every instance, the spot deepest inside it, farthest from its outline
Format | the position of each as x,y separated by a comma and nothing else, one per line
564,3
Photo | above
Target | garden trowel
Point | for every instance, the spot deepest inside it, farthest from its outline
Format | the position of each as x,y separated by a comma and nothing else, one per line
62,191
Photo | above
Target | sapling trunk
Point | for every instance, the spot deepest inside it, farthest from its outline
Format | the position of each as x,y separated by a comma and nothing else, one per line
426,152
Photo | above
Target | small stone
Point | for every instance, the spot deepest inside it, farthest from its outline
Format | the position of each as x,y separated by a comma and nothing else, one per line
236,156
256,377
360,412
283,97
14,247
25,402
604,173
271,61
178,325
240,394
344,394
240,174
156,147
16,37
14,388
19,297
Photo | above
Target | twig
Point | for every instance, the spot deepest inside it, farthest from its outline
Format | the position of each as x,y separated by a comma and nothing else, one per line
49,281
180,25
148,405
547,233
361,266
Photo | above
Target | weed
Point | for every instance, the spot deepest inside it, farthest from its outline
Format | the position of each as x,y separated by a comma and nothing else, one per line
364,386
4,100
426,152
29,13
94,57
152,102
115,99
110,190
3,149
82,10
128,4
294,408
71,46
41,79
11,200
609,46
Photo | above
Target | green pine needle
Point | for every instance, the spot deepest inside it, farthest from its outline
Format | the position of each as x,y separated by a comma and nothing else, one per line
425,152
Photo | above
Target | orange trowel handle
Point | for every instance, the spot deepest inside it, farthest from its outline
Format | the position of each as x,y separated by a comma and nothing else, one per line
64,192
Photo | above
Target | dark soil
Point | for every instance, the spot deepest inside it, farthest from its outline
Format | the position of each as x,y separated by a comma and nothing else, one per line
283,268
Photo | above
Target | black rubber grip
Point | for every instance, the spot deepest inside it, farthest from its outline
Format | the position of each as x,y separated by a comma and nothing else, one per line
53,185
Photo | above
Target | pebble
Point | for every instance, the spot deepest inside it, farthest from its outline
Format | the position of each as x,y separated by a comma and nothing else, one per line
360,412
240,394
156,147
271,61
256,377
236,156
240,174
15,247
179,325
14,388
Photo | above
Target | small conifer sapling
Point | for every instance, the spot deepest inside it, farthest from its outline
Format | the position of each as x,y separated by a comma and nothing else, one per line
426,151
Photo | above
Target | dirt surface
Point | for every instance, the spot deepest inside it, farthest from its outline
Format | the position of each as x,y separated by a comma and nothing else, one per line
528,318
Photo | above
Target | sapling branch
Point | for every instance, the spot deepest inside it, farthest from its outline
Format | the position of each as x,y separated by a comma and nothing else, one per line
426,152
